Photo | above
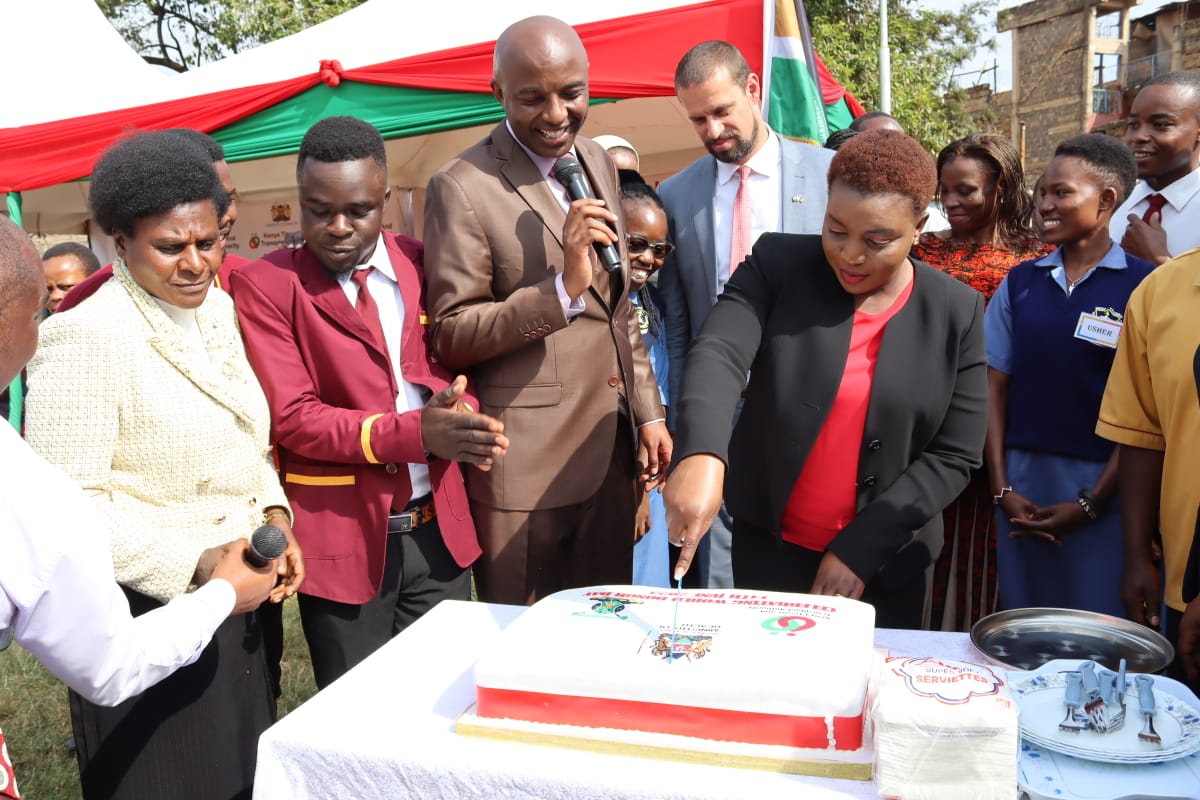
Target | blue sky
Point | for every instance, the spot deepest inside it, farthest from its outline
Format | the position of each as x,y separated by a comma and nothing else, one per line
1001,55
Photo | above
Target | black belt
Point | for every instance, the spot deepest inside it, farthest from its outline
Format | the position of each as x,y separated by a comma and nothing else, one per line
417,513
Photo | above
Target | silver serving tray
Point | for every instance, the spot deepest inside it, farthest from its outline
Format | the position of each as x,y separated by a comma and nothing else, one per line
1026,638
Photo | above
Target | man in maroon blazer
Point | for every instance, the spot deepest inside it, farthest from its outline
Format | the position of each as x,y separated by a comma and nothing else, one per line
335,331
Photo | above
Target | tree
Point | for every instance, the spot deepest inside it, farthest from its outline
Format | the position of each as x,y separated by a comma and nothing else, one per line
182,34
928,48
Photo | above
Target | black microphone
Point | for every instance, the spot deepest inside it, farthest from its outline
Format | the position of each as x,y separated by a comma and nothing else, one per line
569,172
266,544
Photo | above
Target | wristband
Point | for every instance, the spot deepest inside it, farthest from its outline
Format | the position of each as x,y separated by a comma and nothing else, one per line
276,512
997,498
1093,500
1087,507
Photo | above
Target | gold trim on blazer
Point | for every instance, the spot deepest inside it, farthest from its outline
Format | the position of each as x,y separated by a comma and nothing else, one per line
319,480
365,438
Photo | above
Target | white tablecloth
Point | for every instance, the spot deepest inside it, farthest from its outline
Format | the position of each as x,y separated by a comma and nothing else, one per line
386,730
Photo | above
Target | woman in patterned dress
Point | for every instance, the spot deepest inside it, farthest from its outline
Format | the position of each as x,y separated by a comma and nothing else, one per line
982,189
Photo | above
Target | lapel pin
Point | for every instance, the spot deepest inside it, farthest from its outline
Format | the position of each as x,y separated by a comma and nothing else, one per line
797,198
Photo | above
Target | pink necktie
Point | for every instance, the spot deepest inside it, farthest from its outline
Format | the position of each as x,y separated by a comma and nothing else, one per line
1156,203
740,241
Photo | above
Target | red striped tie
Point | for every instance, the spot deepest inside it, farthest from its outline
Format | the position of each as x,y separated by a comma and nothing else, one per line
742,239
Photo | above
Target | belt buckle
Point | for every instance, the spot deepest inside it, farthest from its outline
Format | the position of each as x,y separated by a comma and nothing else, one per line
404,522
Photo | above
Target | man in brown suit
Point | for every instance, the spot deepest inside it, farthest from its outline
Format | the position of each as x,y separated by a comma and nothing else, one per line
519,299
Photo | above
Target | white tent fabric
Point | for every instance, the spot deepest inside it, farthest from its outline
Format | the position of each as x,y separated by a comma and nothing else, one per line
65,60
376,31
384,30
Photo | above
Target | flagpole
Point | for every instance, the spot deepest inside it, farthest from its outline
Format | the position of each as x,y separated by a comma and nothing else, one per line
885,61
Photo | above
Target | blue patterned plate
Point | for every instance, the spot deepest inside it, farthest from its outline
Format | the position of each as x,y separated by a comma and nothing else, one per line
1046,775
1040,697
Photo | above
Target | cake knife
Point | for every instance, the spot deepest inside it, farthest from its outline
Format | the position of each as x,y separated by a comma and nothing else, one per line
675,620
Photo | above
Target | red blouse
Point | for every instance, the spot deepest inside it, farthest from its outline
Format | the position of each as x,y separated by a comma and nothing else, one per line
824,498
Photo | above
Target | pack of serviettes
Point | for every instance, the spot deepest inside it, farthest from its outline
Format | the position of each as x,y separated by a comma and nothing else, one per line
945,730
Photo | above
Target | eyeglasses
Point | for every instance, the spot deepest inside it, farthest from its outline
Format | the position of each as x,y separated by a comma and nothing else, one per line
639,244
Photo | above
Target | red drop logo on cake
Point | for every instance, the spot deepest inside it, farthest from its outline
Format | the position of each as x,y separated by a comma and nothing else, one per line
789,624
952,684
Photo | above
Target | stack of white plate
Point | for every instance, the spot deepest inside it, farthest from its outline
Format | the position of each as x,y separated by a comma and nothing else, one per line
1046,775
1041,699
1062,764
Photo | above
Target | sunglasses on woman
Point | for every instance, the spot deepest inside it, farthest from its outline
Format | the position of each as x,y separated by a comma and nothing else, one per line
639,244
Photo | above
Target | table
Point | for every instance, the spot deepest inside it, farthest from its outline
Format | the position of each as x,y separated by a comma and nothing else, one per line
386,730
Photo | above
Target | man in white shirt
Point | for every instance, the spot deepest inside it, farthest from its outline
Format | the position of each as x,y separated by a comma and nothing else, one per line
1158,219
58,595
753,181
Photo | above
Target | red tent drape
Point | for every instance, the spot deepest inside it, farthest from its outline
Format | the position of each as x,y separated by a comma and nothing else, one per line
629,57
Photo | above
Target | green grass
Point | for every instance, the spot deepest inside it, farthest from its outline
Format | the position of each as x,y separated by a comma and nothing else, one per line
37,722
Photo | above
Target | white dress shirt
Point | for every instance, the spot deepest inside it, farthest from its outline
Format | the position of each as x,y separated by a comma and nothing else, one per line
385,291
766,189
59,595
1179,215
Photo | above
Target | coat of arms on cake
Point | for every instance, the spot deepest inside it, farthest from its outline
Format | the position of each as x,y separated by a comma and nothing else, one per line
764,674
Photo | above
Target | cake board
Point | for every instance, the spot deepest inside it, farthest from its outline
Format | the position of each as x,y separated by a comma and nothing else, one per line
846,765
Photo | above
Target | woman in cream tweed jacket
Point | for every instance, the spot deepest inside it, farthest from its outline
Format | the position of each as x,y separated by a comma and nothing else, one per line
143,394
170,438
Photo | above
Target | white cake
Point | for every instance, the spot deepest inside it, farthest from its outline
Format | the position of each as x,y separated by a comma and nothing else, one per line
763,668
945,730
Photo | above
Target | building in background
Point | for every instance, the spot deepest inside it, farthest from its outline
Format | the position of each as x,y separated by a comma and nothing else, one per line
1077,65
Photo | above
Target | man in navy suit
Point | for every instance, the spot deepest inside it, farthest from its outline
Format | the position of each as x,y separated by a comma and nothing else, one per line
785,191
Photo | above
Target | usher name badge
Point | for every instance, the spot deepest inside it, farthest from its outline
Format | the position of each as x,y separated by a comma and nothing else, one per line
1100,327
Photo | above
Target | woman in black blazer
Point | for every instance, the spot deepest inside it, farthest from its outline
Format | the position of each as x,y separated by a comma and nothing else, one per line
866,406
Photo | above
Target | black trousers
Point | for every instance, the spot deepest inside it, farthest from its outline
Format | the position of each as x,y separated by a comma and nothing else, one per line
270,619
418,574
192,736
763,561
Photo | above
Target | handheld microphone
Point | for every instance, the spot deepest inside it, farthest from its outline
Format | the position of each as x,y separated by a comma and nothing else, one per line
569,172
266,544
